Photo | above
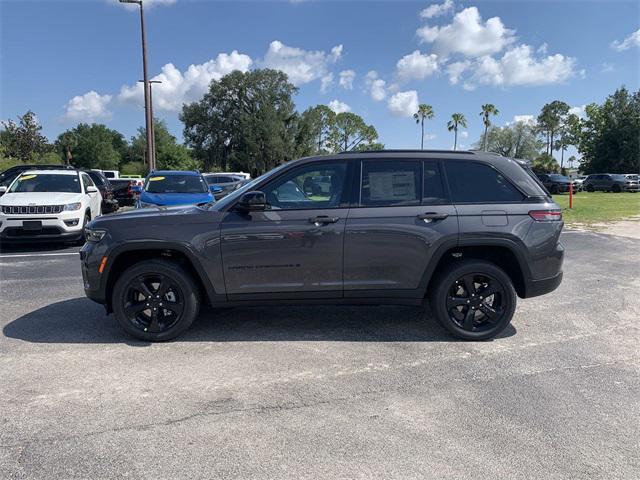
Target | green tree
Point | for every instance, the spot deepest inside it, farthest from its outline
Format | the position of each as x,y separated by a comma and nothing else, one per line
23,140
246,121
545,163
488,109
96,146
518,140
457,120
349,131
550,120
170,155
424,112
610,134
569,131
66,144
315,127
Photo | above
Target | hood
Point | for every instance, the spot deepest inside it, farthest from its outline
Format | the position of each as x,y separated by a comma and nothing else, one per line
175,198
140,218
40,198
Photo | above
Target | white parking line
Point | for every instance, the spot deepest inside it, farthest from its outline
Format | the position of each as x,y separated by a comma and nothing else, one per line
38,254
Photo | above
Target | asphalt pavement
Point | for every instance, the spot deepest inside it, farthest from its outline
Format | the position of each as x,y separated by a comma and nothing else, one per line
323,392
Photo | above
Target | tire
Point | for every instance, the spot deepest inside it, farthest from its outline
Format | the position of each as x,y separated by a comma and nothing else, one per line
176,310
590,188
450,289
553,189
616,188
87,219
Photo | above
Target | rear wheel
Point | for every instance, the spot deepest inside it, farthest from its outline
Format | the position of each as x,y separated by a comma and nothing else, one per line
474,300
590,188
155,300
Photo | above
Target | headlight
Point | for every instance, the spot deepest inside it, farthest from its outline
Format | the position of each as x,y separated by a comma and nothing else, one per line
73,206
91,235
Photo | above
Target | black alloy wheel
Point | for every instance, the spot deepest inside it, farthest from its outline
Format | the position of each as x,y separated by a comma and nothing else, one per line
473,299
155,300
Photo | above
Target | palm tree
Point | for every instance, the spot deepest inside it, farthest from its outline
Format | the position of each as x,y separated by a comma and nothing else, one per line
424,111
457,119
487,109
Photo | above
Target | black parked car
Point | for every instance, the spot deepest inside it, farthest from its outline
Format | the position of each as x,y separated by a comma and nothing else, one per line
610,182
123,191
109,203
11,173
468,231
227,182
554,182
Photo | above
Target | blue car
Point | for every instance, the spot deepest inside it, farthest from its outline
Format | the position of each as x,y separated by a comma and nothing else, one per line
170,187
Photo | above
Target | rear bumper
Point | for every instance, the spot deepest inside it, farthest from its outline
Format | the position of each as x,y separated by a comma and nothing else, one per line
534,288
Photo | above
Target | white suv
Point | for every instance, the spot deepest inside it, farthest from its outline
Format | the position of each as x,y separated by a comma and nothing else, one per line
48,205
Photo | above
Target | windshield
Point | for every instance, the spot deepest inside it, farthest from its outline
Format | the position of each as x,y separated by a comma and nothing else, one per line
618,177
555,176
175,184
220,204
46,182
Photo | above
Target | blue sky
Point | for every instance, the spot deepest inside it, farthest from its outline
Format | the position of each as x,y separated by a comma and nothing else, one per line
80,60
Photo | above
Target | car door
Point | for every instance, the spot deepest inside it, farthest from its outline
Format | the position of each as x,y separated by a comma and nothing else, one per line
295,247
94,198
403,215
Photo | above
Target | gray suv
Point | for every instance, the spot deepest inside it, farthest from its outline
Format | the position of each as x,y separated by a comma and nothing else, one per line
468,231
610,182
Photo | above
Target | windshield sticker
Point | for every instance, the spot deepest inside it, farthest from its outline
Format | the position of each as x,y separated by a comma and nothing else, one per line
155,179
28,177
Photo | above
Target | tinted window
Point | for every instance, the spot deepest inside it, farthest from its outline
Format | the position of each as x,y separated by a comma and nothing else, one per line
97,178
479,183
86,181
48,182
176,184
433,188
308,187
389,183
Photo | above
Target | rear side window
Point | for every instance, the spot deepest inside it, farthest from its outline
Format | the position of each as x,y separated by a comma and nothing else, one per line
433,187
391,183
473,182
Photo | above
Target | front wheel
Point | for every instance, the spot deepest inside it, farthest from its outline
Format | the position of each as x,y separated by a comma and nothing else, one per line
473,300
590,188
155,300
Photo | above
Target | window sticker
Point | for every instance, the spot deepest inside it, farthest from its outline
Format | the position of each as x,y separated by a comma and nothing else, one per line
28,177
155,179
392,185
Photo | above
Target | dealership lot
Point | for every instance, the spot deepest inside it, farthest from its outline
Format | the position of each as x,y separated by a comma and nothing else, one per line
323,392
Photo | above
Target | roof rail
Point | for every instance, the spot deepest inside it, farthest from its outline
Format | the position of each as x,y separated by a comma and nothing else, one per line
485,152
464,152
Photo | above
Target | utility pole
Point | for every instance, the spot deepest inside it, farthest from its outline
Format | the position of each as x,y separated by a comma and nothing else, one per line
147,88
153,132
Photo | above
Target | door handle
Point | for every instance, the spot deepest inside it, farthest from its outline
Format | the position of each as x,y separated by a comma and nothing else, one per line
431,216
323,219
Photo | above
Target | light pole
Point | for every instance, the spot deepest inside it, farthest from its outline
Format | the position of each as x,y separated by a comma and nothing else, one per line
153,132
147,99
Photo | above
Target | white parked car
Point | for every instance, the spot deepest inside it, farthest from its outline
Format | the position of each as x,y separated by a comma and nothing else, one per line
48,205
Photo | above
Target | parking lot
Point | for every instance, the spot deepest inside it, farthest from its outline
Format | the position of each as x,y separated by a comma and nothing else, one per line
323,392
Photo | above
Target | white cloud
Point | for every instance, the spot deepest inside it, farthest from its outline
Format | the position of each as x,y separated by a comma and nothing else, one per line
456,69
463,134
346,79
526,119
301,66
416,66
179,87
632,40
326,82
579,111
339,107
518,66
403,104
468,35
88,107
147,3
607,67
376,86
430,136
437,9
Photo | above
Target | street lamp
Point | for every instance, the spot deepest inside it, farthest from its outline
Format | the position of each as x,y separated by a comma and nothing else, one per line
147,100
153,132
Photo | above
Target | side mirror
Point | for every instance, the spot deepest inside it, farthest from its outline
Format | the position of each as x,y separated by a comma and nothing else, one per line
3,190
136,189
215,188
252,202
91,189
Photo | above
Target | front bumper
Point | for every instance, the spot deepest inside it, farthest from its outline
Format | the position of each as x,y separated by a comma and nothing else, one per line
12,227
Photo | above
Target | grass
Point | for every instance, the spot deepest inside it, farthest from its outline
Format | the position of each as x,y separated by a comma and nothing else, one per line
598,207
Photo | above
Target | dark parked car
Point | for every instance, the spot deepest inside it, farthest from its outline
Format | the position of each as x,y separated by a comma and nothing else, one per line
123,191
227,182
11,173
109,203
554,182
469,231
609,182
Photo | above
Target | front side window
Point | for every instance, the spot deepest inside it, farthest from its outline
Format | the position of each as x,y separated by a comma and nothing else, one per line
176,184
86,181
473,182
47,182
391,183
309,187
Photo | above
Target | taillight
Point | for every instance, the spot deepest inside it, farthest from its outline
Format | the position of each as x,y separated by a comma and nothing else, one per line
546,215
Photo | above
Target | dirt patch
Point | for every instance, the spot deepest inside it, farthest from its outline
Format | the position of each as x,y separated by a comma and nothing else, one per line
624,228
